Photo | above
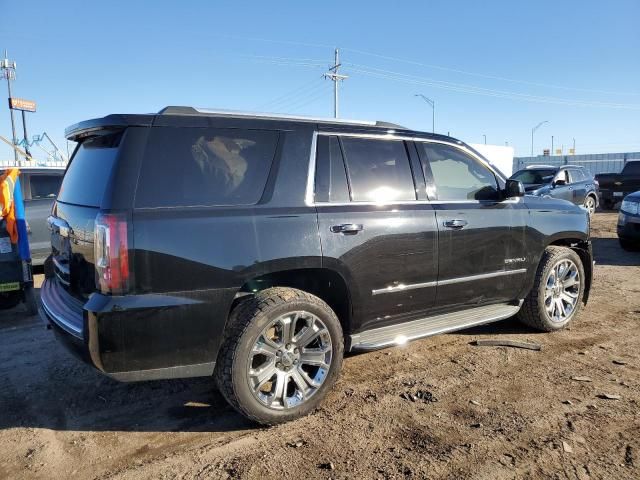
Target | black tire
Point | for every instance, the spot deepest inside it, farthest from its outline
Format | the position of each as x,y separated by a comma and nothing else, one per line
30,301
629,245
246,323
534,312
10,299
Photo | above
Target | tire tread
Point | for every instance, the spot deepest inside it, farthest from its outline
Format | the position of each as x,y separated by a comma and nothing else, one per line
240,320
530,313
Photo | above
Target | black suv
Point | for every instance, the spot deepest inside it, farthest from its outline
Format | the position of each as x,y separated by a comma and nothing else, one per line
569,182
258,249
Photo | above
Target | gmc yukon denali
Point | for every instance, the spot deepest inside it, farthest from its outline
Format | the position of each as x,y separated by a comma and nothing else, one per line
258,249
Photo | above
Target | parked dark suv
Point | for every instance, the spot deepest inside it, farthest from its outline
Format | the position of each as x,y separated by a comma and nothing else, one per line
258,249
569,182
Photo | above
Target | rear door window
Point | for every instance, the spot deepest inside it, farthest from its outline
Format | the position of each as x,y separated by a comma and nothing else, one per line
378,170
576,175
205,167
89,171
331,176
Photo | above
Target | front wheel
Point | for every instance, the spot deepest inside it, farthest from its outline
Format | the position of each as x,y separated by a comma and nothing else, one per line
282,353
556,297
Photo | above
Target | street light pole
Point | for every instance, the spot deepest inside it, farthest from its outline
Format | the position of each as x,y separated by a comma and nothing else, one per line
533,130
485,138
433,110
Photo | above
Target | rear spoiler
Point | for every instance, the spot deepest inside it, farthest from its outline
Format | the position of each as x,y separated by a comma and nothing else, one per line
92,127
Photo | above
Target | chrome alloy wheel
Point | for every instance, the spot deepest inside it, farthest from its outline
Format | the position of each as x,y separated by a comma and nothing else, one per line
562,290
590,204
290,360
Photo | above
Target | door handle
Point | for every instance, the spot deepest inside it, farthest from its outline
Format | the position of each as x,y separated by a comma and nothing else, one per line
348,228
455,224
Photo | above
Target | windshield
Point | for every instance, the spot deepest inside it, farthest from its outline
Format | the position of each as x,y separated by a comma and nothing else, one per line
86,179
535,175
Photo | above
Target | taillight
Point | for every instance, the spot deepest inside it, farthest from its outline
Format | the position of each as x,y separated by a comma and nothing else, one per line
111,253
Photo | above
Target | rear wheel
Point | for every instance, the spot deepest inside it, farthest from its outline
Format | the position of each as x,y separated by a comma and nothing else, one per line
556,297
9,299
590,204
281,355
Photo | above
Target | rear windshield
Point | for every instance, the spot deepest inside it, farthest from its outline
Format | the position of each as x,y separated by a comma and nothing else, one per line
632,168
205,167
89,171
531,176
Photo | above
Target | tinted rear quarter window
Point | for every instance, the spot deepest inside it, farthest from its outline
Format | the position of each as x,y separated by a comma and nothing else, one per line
89,171
632,168
378,170
205,167
331,177
44,186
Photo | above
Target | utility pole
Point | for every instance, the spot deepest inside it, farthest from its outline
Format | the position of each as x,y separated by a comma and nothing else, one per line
335,77
574,146
552,152
485,138
9,72
432,103
533,130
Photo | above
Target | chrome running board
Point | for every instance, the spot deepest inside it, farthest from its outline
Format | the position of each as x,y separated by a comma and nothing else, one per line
404,332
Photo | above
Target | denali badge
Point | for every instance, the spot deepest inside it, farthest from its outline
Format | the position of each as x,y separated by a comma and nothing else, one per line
509,261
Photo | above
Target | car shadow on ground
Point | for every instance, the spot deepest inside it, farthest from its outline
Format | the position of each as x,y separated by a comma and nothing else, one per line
43,386
607,251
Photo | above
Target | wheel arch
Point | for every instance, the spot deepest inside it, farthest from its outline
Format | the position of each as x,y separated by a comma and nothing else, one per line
326,284
595,197
583,249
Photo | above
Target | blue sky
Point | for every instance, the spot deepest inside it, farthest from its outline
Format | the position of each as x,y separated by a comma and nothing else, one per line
494,68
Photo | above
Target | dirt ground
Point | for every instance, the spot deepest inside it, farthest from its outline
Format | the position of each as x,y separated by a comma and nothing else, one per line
485,412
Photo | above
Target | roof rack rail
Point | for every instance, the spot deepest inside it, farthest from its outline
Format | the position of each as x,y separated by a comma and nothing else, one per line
178,110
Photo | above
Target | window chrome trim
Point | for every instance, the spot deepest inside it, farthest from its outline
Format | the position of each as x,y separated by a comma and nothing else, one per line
390,136
311,174
310,192
450,281
415,202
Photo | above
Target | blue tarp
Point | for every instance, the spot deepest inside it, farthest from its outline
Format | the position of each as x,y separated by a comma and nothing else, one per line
21,223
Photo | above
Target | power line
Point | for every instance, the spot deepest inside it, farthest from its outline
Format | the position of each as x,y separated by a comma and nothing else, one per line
302,89
482,75
320,94
292,102
457,87
472,89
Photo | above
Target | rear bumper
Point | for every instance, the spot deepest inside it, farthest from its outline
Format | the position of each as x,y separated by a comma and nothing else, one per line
610,196
135,337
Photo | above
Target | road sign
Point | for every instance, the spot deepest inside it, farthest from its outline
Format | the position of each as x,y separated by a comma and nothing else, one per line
22,104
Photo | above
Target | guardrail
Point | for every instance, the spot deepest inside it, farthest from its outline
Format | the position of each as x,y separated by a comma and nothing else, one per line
35,163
